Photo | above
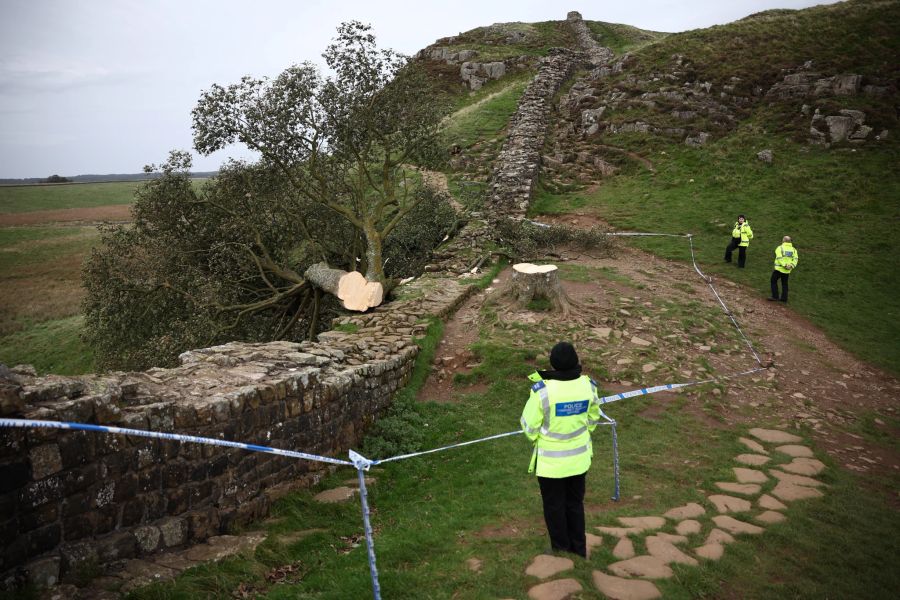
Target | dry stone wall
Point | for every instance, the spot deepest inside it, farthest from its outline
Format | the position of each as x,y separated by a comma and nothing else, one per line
518,164
74,498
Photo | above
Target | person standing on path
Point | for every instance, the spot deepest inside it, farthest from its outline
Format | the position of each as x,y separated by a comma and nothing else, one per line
786,259
562,411
740,239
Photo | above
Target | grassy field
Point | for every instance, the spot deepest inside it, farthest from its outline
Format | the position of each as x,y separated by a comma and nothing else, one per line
40,297
433,513
25,198
838,205
40,275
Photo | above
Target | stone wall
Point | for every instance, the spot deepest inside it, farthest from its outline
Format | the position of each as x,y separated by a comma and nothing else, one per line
518,164
73,498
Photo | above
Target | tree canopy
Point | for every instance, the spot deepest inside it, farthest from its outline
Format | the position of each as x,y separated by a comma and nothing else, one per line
230,258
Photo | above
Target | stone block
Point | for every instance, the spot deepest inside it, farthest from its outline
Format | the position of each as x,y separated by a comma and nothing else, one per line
117,546
174,531
44,572
148,538
45,460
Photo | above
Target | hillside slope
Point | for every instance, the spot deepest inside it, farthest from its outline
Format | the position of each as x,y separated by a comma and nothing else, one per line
668,140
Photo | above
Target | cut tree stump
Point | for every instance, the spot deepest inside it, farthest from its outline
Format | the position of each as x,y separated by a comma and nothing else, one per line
532,282
353,290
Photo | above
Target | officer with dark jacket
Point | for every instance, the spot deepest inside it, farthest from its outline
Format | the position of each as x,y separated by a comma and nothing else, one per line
740,239
562,411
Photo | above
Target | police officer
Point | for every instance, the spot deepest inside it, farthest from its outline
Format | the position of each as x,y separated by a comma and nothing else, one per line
786,258
740,239
562,411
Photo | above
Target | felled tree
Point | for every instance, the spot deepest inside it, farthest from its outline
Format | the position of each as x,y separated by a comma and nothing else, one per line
339,141
223,260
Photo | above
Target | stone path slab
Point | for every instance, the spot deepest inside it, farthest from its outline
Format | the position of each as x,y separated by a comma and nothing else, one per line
748,489
804,466
795,451
672,538
546,565
643,523
753,445
749,475
790,492
649,567
555,590
717,536
795,479
710,551
335,495
618,588
688,527
768,502
770,516
667,552
732,525
729,504
775,436
618,531
688,511
624,549
753,460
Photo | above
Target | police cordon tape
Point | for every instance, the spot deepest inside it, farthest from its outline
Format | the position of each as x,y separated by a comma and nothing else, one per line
363,464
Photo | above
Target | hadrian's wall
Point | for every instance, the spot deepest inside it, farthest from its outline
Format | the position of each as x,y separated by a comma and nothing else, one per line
70,498
519,163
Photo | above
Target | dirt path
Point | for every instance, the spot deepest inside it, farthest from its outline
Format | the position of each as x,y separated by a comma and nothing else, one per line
813,383
116,212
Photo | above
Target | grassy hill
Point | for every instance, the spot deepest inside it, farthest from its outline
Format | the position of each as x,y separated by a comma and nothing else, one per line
838,201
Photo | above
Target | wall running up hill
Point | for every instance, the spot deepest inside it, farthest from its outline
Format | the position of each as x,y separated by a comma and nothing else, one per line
518,165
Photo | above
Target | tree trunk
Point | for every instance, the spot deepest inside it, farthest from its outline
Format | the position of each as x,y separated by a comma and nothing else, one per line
351,288
532,282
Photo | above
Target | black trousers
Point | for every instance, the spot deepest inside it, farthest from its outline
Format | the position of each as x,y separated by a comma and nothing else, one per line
742,252
776,275
564,512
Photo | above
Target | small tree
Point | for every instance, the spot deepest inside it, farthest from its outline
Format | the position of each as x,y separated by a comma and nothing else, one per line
340,141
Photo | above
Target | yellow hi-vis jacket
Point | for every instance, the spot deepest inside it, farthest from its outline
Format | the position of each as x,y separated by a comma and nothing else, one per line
742,231
786,257
559,418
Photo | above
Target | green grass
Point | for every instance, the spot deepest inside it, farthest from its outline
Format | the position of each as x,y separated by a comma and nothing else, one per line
622,38
25,198
467,127
40,296
838,205
51,346
857,36
432,513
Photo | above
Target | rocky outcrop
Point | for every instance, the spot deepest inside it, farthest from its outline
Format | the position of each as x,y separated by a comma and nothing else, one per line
448,55
847,126
518,164
808,83
476,74
72,498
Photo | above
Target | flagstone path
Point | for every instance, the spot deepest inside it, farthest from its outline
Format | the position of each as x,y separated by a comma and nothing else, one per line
785,471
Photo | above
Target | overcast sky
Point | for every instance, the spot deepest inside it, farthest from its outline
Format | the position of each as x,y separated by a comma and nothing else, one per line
107,86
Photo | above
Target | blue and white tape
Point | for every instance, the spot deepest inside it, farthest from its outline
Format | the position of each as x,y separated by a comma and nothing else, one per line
177,437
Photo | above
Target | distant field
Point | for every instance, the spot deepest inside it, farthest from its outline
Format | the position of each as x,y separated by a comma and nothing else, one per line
25,198
40,297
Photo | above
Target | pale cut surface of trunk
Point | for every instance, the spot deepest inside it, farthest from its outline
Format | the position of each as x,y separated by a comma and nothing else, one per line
530,282
353,290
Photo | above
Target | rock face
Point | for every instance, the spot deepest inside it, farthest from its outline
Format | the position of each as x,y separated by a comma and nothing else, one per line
807,83
476,74
84,497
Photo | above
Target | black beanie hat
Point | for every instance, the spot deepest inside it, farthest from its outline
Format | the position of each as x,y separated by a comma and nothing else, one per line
563,357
